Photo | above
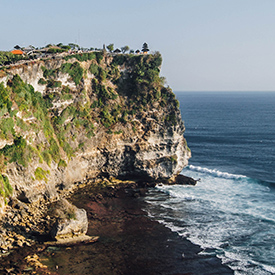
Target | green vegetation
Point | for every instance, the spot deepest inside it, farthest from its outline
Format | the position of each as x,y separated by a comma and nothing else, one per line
119,59
54,50
110,47
125,49
145,47
16,152
81,56
54,84
7,128
5,187
74,70
62,163
98,56
106,118
31,104
94,69
6,58
46,156
171,118
48,73
174,159
142,84
42,81
122,90
5,102
41,174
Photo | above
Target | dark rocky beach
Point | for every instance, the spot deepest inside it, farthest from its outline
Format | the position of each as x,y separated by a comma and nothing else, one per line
129,242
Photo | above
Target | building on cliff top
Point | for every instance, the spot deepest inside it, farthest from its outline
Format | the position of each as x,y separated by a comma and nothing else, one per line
17,52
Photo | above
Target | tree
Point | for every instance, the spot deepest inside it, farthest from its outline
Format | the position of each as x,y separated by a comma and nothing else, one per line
110,48
65,47
74,46
145,48
125,49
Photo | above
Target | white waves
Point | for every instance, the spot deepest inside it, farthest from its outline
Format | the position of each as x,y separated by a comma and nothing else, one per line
215,172
227,214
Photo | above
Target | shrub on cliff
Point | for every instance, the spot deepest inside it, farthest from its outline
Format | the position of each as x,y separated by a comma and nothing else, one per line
74,70
86,56
143,72
56,50
16,152
5,102
7,58
5,187
94,69
106,118
7,128
54,84
119,59
48,73
41,174
31,104
42,81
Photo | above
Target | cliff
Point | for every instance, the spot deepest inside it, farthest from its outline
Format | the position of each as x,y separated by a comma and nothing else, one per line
76,117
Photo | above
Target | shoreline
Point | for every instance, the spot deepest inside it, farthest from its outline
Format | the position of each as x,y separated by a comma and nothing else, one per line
129,242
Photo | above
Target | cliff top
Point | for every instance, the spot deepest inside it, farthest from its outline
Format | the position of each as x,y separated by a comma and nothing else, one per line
24,54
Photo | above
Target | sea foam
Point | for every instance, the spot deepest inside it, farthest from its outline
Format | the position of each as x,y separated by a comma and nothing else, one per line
215,172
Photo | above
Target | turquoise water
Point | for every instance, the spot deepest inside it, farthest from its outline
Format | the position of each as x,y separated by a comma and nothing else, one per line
230,212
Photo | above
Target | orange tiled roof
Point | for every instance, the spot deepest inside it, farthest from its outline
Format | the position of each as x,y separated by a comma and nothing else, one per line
17,52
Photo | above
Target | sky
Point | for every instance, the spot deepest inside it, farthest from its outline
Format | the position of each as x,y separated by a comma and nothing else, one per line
206,45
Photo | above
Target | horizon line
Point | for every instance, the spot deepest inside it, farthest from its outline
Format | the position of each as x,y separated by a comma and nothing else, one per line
227,91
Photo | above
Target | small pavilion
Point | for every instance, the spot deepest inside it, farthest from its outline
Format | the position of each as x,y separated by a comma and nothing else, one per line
17,52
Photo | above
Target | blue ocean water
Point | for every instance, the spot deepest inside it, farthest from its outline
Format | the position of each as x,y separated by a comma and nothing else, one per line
230,212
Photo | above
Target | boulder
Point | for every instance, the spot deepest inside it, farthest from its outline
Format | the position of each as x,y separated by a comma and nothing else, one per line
183,180
70,224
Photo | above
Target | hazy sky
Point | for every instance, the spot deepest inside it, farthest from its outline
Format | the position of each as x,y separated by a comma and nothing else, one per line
207,45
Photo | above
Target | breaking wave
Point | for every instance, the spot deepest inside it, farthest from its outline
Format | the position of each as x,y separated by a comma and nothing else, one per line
215,172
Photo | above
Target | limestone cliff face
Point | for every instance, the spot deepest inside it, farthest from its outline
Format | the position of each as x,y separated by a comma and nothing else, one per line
72,118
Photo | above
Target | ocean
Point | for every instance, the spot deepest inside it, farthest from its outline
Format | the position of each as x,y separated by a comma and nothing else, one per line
230,212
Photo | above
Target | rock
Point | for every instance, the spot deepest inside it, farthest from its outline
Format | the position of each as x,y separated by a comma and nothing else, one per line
23,198
183,180
70,224
3,242
19,243
34,261
83,239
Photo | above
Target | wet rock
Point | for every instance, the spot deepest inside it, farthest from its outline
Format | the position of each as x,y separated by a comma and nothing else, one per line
34,261
183,180
18,243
